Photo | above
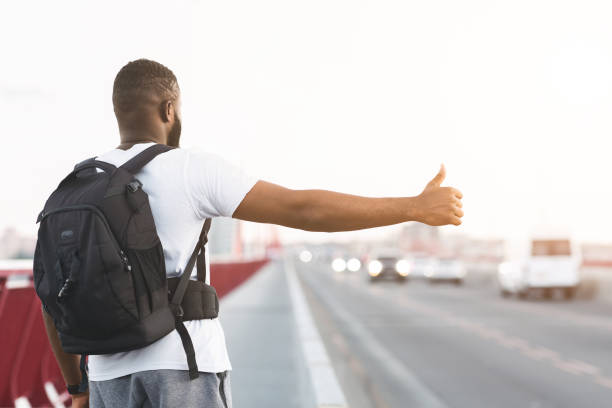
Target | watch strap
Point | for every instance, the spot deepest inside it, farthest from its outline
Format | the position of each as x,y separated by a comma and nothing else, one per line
84,385
77,389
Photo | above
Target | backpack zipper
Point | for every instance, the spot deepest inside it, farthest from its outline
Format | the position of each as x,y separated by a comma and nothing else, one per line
98,212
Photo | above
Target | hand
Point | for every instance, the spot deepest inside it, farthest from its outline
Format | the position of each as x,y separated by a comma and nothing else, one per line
80,400
439,205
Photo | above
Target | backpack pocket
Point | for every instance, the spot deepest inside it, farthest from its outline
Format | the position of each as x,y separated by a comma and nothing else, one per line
87,284
94,308
149,272
119,278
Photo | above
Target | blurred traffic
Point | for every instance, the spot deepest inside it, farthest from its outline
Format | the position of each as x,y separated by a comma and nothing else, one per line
544,267
427,319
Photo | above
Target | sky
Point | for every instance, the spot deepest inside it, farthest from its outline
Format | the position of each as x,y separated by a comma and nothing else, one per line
363,97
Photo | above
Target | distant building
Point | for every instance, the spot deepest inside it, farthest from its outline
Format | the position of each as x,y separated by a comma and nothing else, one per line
14,245
224,241
484,250
417,237
597,255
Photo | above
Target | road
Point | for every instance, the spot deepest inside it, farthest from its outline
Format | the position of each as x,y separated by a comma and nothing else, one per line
421,345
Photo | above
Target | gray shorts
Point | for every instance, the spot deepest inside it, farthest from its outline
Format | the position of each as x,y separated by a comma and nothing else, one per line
161,389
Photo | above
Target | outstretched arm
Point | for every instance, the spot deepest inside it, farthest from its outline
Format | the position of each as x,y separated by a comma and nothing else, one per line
328,211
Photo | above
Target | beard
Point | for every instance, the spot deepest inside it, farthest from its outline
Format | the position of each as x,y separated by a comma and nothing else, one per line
175,133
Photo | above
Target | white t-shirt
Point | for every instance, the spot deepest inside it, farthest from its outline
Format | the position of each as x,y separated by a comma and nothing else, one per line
184,186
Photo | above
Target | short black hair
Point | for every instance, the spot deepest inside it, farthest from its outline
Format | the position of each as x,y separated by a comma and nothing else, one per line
137,79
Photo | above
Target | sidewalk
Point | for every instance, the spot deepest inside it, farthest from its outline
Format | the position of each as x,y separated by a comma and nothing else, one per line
269,368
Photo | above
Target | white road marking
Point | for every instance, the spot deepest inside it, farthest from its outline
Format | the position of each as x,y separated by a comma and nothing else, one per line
422,395
328,392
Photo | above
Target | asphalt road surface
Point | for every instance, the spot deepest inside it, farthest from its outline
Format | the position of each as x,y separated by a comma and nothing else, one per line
422,345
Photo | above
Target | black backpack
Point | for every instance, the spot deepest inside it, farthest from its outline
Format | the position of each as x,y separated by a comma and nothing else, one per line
99,266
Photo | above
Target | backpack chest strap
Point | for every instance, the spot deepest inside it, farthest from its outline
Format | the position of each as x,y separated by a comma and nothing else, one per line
199,302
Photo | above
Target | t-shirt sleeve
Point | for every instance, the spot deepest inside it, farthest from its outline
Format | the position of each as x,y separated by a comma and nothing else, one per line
215,187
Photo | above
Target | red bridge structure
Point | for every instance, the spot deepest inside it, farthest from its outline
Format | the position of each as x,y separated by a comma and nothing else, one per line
29,375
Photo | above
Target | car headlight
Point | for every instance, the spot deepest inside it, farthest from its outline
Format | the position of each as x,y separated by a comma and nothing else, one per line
353,264
305,256
375,268
339,265
403,267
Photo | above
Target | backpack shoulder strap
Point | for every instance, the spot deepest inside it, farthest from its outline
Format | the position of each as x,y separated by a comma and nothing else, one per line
141,159
179,292
177,300
201,261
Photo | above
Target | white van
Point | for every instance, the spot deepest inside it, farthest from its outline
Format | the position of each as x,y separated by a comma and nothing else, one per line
553,264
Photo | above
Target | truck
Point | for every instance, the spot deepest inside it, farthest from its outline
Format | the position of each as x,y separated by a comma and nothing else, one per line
552,265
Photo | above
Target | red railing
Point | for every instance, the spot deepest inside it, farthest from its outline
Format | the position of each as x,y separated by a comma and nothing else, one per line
226,276
28,370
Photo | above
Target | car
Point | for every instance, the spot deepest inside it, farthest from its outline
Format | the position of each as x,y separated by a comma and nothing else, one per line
422,265
552,265
509,277
388,263
447,270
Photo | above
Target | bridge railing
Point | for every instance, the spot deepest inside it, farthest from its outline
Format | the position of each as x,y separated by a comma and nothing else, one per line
29,373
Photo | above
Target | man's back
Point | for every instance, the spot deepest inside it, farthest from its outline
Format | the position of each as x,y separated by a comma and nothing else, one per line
184,188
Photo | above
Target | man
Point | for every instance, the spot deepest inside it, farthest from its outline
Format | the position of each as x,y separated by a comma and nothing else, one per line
185,187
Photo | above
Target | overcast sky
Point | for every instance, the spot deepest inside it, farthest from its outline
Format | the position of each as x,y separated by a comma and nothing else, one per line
365,97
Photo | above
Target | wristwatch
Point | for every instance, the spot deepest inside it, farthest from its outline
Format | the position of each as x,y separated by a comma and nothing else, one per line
77,388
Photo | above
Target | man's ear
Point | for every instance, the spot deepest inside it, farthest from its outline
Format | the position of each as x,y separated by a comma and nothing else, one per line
167,110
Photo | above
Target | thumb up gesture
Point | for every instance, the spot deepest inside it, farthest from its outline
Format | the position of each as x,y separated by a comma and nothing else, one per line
440,205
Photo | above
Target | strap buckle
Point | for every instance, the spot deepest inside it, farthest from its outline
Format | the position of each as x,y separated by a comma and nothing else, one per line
133,186
177,310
